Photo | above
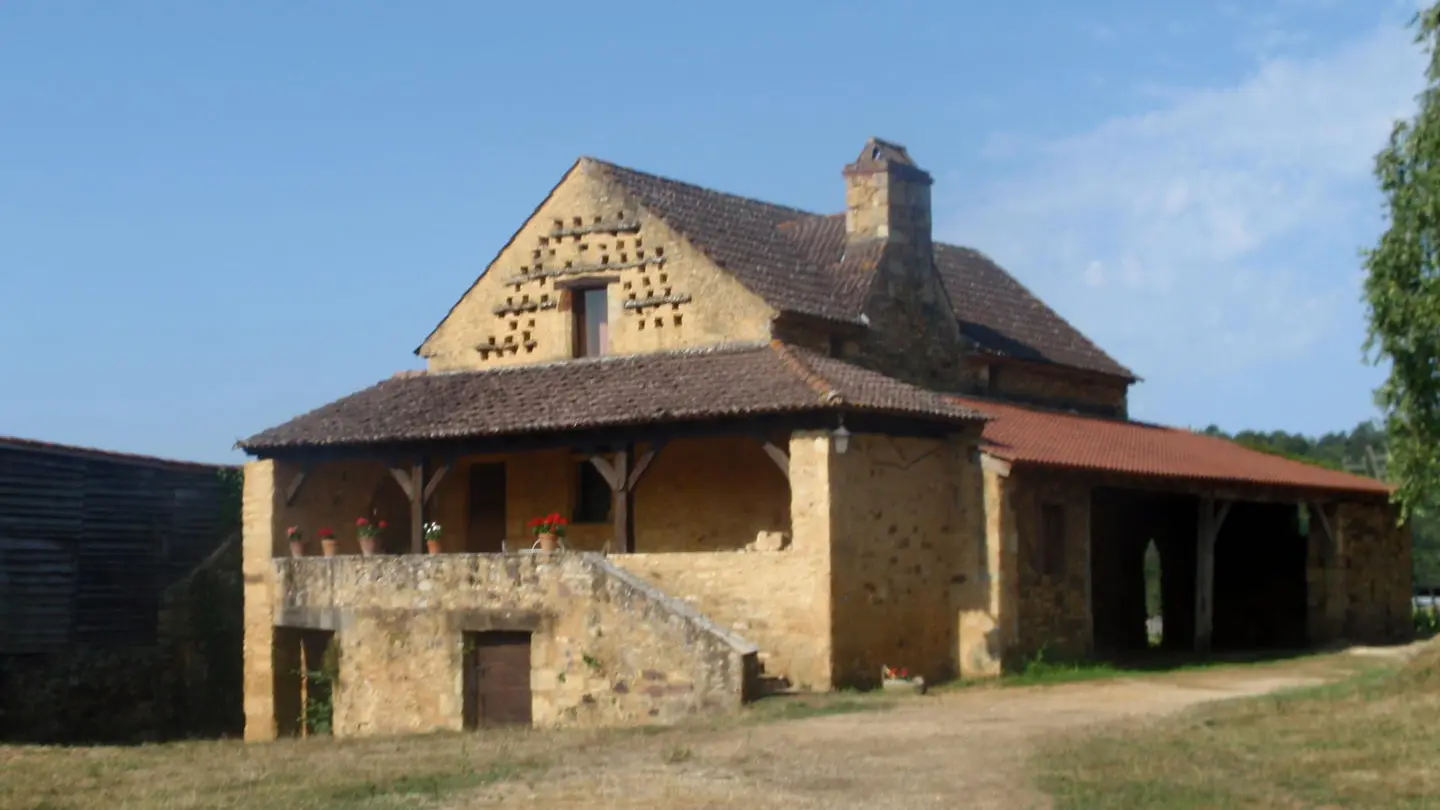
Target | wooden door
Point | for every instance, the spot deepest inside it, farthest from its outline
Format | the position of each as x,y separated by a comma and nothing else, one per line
497,679
485,533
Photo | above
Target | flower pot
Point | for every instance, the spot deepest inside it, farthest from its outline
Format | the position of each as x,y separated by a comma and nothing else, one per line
916,685
297,548
548,541
367,546
328,546
432,546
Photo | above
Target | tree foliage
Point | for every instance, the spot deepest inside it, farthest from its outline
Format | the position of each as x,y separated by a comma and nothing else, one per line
1402,288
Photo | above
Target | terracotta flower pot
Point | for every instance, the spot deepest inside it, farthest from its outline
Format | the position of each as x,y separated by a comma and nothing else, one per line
297,548
367,546
328,546
548,541
432,546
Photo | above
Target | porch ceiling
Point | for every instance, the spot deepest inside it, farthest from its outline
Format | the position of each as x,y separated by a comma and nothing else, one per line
610,392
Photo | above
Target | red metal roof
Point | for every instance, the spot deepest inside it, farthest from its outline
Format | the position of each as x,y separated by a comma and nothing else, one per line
1031,436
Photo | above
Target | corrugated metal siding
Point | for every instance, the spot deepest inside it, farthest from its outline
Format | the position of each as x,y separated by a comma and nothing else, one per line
127,529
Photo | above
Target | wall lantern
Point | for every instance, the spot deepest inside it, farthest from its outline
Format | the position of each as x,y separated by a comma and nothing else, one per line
841,437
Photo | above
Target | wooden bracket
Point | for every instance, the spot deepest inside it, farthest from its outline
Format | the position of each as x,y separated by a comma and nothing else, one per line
779,456
643,464
403,479
434,482
606,471
295,483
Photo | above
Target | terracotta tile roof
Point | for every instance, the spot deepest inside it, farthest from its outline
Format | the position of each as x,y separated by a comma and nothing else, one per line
799,262
741,235
734,381
1004,318
1046,438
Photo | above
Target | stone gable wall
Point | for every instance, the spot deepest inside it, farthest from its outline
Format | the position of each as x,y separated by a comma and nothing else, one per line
666,294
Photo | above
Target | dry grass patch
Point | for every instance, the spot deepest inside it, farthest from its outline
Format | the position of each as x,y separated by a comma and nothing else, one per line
324,773
1370,741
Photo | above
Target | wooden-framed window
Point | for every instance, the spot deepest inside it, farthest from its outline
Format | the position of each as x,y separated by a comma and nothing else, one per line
1052,539
590,308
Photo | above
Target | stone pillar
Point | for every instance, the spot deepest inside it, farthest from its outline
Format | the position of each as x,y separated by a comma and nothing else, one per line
1325,598
262,493
988,596
811,535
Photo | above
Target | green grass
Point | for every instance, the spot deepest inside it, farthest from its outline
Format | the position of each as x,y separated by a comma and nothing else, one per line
1369,741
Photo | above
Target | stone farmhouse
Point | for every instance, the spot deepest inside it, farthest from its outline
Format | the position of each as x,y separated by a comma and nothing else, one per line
795,448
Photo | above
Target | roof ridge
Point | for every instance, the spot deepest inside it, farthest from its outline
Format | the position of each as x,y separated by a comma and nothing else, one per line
1035,299
828,392
608,164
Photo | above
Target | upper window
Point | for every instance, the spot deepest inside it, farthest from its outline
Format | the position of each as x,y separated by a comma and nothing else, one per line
592,314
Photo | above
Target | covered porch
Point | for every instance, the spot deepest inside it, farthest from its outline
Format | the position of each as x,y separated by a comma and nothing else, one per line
813,508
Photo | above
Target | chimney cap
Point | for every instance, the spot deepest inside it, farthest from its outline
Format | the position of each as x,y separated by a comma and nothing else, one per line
877,151
880,155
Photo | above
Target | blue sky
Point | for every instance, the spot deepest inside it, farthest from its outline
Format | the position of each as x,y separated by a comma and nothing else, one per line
214,216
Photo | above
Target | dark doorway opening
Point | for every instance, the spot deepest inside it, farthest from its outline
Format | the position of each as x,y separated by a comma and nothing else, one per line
485,533
307,669
1144,548
390,504
496,679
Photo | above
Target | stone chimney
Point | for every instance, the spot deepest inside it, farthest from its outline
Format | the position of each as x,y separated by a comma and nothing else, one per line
888,197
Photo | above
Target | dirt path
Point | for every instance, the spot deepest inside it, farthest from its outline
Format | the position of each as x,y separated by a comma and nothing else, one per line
962,749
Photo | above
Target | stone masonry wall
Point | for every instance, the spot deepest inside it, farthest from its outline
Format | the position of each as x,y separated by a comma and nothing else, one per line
1053,608
606,648
1060,390
767,597
665,294
1377,578
902,538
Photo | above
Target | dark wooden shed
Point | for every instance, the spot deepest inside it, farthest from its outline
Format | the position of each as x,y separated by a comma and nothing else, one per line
90,539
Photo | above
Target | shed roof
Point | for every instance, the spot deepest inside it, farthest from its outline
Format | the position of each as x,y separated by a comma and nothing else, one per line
1027,435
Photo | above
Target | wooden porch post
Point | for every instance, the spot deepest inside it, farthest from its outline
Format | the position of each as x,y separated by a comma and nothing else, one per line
419,491
417,507
621,501
623,476
1211,518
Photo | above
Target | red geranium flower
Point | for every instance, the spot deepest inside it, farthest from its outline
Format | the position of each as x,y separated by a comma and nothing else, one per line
362,522
326,534
381,524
